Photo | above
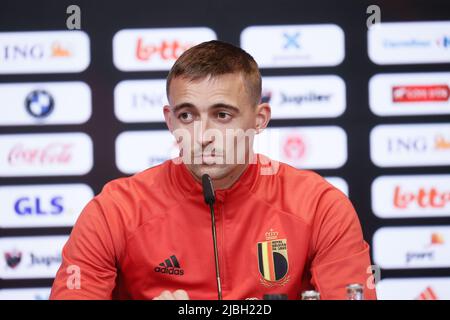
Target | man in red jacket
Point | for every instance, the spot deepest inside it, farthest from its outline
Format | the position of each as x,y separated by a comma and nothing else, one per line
280,230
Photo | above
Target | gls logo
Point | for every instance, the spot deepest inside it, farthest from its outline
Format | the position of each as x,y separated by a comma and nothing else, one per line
42,205
33,206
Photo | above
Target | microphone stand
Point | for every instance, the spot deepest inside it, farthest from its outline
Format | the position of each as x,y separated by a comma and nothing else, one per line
208,192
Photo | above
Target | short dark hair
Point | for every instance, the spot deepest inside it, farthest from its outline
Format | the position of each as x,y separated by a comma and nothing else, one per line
215,58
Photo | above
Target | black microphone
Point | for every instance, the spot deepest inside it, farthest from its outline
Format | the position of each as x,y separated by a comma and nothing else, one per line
208,190
210,198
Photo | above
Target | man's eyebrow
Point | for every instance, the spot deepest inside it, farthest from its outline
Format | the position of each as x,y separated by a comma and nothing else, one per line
214,106
225,106
181,106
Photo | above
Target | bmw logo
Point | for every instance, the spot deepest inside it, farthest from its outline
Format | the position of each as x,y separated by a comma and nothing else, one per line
39,103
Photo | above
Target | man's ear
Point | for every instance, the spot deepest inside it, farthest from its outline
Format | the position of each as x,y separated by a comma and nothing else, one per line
263,114
167,117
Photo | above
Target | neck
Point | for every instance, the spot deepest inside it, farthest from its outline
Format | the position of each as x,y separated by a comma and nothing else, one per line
230,179
227,181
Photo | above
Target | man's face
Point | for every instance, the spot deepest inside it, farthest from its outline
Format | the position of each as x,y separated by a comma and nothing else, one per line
217,119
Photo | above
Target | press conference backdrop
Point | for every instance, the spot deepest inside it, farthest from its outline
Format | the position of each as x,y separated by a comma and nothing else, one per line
369,109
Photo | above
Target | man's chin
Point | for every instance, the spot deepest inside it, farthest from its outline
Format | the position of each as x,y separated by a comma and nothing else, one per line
215,171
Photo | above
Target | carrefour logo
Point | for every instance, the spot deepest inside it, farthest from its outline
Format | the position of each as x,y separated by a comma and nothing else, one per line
409,42
444,42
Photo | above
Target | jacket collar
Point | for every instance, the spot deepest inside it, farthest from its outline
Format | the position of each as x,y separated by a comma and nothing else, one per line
184,183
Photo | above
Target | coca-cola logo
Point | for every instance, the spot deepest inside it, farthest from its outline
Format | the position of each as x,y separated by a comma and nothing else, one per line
423,198
53,153
166,50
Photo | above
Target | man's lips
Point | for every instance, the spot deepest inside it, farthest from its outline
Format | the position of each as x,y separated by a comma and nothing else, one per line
208,158
208,155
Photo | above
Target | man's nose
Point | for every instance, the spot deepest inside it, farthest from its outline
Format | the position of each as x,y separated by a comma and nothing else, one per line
201,127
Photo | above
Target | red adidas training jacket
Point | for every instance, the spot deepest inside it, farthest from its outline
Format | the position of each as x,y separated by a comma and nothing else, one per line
282,233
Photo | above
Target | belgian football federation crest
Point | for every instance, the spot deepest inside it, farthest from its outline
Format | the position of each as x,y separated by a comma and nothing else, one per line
273,260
